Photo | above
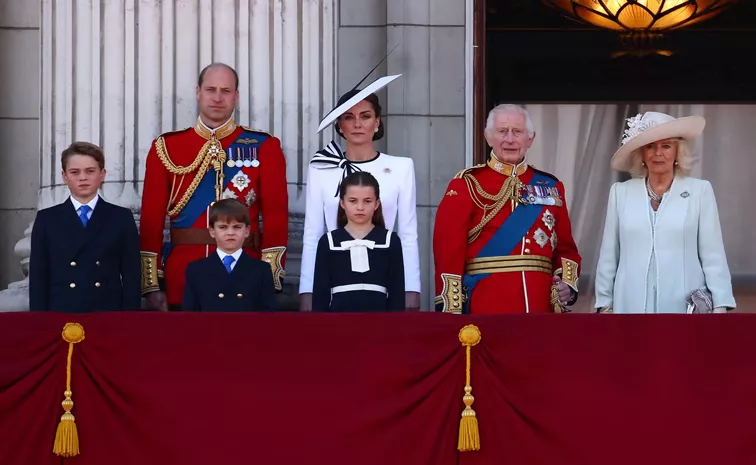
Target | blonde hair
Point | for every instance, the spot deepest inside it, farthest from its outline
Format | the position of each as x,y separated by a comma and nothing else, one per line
684,160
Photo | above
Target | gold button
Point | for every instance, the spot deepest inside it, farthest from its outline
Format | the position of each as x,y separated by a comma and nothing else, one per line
239,296
456,297
220,296
97,284
456,304
455,290
72,285
527,241
455,284
73,263
527,251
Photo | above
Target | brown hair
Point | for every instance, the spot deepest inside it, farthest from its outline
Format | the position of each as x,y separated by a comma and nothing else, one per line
373,100
83,148
229,210
360,178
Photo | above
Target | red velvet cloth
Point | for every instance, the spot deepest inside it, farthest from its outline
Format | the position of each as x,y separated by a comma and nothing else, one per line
312,389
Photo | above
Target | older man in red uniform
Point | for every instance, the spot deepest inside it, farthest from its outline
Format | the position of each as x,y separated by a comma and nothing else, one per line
188,170
502,240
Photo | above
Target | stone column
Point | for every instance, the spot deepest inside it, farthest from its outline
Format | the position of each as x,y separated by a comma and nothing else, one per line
425,109
19,152
121,72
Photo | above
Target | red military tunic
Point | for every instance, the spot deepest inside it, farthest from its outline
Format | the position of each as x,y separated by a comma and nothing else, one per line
181,181
519,281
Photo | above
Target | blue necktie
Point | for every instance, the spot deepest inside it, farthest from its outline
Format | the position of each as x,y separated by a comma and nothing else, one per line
83,211
227,261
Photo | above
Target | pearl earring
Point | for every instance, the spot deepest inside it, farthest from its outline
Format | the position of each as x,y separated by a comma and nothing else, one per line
376,129
643,163
676,163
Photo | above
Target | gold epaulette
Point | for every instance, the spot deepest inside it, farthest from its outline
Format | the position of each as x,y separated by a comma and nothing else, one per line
462,173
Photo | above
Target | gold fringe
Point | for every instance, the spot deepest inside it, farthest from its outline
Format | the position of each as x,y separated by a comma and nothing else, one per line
67,437
469,435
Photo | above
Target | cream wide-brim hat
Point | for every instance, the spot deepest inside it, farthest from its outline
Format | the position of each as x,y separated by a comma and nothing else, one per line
651,127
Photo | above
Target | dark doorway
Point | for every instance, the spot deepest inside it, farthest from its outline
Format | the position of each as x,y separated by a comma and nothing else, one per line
527,52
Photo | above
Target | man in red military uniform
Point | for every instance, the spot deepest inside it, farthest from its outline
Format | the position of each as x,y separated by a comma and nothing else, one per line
187,171
502,240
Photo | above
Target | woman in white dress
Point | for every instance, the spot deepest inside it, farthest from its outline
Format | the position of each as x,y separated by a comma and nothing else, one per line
662,239
359,123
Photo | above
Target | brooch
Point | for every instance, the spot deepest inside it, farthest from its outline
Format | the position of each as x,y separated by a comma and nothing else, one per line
684,194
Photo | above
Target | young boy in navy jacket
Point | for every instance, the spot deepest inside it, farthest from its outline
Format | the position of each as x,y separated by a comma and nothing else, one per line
229,280
85,251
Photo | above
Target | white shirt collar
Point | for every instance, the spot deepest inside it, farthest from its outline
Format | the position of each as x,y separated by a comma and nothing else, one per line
77,205
223,254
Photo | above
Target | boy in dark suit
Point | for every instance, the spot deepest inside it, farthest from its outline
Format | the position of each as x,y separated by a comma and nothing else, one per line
85,251
229,280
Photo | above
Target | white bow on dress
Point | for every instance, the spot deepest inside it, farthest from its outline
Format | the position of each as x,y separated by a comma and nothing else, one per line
358,253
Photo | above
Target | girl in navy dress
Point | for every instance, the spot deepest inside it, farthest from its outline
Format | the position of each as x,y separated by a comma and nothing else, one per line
359,266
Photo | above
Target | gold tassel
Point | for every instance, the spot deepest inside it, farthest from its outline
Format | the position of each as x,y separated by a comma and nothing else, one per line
469,436
67,437
555,303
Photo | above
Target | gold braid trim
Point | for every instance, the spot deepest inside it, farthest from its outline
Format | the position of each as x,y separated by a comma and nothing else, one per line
509,191
570,273
162,153
452,295
150,272
203,160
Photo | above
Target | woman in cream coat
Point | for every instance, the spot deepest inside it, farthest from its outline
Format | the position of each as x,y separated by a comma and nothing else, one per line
662,238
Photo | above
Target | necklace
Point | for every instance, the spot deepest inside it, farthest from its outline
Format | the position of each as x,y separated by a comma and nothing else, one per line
653,195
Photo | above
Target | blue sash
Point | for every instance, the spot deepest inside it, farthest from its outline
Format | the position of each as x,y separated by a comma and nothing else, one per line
204,195
511,232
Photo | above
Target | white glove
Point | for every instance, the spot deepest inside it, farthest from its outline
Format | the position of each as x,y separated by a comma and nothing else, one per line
719,310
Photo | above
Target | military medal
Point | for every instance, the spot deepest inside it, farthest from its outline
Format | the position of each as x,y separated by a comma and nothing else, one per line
247,161
230,163
239,155
254,163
